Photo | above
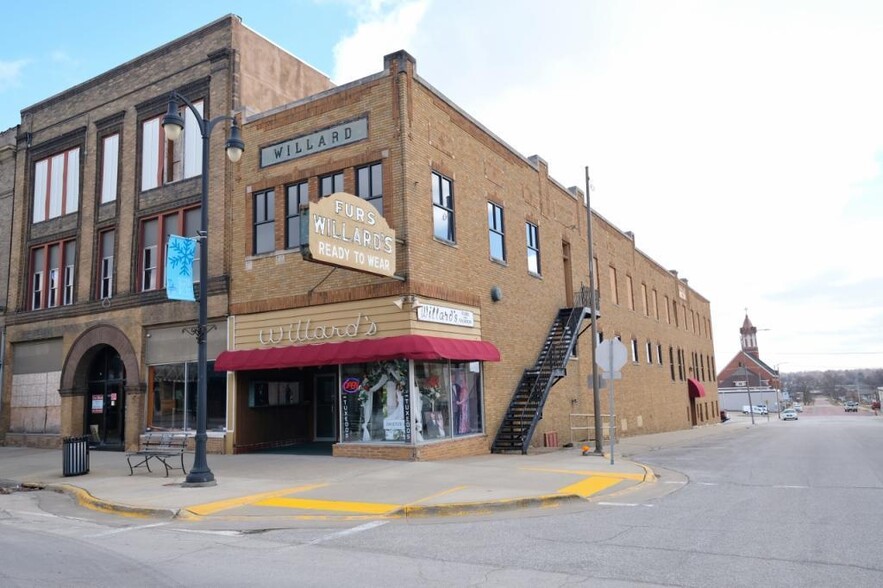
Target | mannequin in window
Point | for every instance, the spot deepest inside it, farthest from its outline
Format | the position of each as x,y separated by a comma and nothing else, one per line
461,398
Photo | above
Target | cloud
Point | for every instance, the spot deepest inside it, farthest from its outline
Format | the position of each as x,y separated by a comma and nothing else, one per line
61,57
383,27
10,73
742,142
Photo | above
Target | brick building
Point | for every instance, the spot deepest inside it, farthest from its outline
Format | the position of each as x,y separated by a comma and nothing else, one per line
90,335
489,250
449,313
7,181
747,379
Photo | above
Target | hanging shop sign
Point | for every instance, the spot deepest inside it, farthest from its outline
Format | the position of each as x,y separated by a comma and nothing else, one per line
344,230
446,315
336,136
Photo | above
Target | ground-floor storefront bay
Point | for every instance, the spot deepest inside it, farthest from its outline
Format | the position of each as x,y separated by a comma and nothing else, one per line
369,378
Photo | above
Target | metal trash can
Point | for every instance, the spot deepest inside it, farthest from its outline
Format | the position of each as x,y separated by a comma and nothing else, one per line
75,456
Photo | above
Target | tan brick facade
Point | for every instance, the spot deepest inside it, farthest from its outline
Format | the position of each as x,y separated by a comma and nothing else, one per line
205,65
7,184
415,131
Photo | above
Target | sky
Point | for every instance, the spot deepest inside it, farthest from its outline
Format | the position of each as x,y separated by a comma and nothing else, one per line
740,141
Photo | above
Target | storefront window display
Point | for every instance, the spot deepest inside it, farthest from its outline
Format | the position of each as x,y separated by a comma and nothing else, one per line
434,401
173,389
375,402
466,398
450,398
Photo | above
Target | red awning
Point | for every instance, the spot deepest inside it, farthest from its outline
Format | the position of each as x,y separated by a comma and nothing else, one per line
403,346
697,390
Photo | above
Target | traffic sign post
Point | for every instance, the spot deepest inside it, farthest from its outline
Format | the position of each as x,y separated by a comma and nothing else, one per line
610,356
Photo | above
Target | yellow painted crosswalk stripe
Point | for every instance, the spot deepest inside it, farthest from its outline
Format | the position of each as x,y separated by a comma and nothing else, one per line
618,475
213,507
589,486
331,505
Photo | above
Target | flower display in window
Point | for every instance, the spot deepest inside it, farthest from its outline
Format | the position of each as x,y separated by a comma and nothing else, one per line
431,389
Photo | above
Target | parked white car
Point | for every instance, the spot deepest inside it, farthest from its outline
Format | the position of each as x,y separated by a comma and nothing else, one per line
756,409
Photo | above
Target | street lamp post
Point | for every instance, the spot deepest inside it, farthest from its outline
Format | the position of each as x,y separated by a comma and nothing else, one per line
173,124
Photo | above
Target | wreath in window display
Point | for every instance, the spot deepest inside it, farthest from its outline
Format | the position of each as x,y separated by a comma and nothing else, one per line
388,381
431,389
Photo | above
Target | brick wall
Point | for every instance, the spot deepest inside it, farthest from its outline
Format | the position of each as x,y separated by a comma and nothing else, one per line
414,131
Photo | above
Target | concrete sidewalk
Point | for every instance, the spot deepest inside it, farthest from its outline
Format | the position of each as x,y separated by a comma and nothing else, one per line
300,486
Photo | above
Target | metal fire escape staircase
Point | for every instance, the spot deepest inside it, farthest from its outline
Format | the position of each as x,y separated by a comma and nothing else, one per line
526,407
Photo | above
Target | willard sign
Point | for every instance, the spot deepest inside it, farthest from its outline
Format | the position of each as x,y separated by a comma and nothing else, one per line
346,231
336,136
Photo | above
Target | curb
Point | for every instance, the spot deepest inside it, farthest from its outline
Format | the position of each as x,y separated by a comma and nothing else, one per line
84,499
468,508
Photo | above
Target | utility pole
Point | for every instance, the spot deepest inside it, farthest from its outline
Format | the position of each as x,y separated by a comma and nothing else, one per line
593,305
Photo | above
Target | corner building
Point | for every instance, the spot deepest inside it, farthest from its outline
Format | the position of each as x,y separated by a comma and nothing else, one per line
92,345
476,340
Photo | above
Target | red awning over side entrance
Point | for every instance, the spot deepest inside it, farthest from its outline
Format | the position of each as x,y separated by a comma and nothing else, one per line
402,346
697,390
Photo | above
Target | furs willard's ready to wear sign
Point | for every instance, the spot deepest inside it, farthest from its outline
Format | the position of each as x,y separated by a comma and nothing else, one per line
180,253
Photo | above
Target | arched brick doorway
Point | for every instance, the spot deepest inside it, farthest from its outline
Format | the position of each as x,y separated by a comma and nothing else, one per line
101,385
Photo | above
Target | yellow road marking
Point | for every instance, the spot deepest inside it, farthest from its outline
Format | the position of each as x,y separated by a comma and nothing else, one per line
617,475
436,495
589,486
213,507
331,505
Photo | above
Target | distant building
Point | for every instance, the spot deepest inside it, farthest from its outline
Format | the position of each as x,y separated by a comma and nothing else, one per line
747,375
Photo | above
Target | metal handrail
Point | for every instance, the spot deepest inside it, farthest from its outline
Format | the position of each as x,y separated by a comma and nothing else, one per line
571,325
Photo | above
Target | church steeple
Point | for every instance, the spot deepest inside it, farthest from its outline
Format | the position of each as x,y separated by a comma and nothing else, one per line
748,334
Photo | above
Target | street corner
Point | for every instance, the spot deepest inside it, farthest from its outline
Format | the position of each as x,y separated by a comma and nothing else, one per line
86,500
309,501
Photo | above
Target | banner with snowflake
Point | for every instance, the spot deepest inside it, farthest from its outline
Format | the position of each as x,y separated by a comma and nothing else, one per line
180,253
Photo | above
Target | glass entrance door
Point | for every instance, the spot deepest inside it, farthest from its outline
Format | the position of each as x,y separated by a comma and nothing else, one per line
105,404
325,386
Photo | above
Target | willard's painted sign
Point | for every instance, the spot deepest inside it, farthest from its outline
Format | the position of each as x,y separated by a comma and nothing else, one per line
336,136
446,315
346,231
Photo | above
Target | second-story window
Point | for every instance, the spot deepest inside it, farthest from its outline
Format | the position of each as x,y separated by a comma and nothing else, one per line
369,185
52,274
164,161
330,184
155,231
110,155
57,185
614,290
295,196
443,208
149,254
496,232
533,248
105,264
264,237
67,294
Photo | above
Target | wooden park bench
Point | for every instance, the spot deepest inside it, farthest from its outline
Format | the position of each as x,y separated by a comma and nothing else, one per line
162,447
